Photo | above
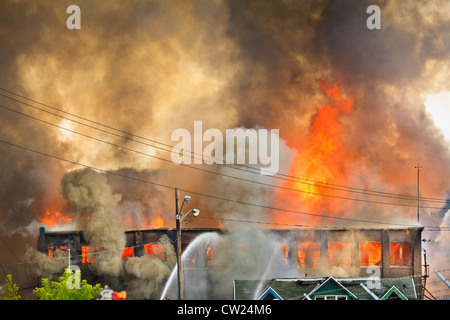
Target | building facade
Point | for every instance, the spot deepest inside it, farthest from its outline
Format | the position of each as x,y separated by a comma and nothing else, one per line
361,253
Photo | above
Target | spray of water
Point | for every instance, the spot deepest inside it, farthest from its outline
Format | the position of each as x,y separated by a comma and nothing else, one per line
194,249
259,288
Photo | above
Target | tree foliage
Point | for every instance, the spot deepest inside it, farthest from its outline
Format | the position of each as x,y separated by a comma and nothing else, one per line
65,289
12,291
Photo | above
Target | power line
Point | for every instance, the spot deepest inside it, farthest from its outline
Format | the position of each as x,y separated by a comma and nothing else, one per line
214,172
85,165
285,224
9,249
10,282
297,179
1,265
201,194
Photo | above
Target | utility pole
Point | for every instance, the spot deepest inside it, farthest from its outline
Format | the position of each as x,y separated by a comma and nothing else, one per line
178,226
179,217
418,167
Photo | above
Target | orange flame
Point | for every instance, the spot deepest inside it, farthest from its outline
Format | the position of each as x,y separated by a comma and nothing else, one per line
211,253
309,254
153,223
157,223
155,249
211,256
85,258
283,248
51,219
317,160
127,253
51,250
369,253
339,254
401,254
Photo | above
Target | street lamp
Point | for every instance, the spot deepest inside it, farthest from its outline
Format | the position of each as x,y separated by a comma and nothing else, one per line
179,217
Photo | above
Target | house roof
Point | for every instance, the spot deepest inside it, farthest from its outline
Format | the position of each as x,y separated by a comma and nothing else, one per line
335,288
270,292
297,288
394,290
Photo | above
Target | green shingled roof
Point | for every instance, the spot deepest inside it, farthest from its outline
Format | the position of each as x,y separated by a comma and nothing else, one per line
296,289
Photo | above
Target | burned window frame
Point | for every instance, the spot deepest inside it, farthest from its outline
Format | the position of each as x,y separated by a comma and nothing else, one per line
368,257
313,262
409,257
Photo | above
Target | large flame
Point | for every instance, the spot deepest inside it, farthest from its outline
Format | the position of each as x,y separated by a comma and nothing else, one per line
54,218
319,150
145,223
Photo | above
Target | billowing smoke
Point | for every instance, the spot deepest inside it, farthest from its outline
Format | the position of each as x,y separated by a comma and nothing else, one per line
93,203
147,275
37,264
94,208
149,67
237,253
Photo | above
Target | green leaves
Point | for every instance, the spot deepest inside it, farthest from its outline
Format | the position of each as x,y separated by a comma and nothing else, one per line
12,291
63,290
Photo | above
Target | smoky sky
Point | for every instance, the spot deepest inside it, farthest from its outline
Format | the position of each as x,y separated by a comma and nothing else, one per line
149,67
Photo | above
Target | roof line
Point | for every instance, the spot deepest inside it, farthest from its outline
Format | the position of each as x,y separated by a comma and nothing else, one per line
394,289
272,290
335,281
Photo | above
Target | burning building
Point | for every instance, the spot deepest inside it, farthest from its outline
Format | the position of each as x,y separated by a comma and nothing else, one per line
296,252
352,109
